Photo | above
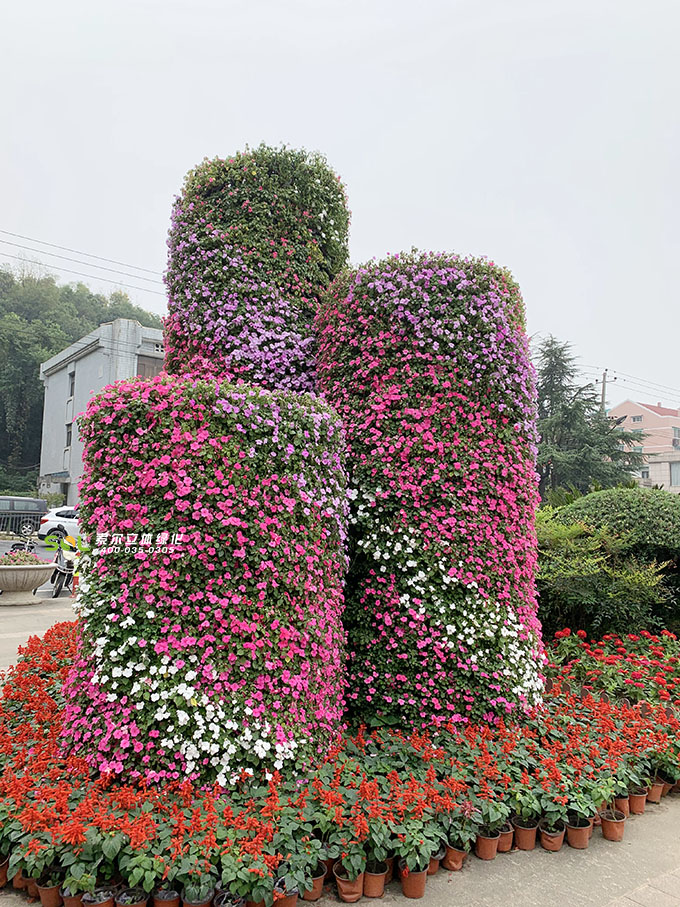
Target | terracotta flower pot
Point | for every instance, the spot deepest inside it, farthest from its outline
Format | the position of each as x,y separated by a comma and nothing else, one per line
613,823
71,900
288,900
412,882
623,805
486,846
551,840
374,880
654,792
19,880
130,897
637,801
318,878
578,835
329,863
32,888
454,858
165,897
349,890
505,840
525,834
101,897
390,869
666,789
435,860
50,896
254,903
3,872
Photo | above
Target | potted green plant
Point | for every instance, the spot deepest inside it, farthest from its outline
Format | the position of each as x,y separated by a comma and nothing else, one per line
416,842
493,815
349,872
526,807
460,827
379,849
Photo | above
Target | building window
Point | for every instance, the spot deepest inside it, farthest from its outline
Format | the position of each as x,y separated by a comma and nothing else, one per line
149,366
636,419
638,449
637,431
676,433
644,472
71,384
675,473
69,434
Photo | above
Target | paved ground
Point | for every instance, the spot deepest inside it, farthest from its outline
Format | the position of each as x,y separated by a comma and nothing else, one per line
18,622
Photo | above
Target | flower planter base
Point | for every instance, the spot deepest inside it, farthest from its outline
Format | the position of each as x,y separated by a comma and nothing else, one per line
349,890
525,836
623,805
486,847
636,803
578,836
50,897
552,841
654,792
374,883
413,883
506,838
613,823
454,859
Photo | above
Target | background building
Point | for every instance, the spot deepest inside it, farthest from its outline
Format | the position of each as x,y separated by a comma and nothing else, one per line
116,350
659,430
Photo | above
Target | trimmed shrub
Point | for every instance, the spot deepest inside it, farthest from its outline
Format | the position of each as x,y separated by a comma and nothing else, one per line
646,519
211,605
254,239
588,580
425,358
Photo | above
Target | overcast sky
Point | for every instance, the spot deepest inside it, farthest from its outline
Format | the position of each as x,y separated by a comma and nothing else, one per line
540,133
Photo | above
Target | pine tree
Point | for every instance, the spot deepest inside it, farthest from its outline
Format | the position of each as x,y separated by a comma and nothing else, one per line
581,448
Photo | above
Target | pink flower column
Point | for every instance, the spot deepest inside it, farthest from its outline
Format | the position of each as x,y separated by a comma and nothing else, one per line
211,637
425,359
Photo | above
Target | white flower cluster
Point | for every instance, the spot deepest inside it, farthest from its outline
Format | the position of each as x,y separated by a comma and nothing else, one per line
490,632
492,636
190,722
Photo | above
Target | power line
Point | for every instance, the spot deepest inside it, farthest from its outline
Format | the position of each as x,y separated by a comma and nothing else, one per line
645,381
112,261
79,261
118,283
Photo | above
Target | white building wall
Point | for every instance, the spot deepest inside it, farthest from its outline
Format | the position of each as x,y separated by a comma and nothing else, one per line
106,355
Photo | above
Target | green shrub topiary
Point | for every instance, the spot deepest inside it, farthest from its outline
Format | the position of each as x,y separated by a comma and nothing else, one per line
647,520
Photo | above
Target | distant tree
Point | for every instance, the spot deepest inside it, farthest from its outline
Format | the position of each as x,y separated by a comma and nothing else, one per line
38,318
580,448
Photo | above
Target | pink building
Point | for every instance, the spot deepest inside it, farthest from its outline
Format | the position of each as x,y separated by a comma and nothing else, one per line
661,446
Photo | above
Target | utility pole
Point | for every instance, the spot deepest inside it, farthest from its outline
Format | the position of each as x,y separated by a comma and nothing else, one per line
603,398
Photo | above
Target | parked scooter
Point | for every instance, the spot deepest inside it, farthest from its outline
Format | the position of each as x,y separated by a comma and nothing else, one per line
65,561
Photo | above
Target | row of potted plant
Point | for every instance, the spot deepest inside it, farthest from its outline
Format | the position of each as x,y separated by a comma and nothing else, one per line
377,802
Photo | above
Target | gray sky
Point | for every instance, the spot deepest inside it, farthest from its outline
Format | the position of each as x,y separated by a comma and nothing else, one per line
541,133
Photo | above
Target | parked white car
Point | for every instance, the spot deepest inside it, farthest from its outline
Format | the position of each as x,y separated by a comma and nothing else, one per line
67,517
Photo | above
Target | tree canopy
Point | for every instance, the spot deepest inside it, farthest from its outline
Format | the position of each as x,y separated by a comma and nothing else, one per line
38,318
580,448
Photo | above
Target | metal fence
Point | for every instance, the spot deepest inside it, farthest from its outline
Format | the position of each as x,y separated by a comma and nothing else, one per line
20,523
